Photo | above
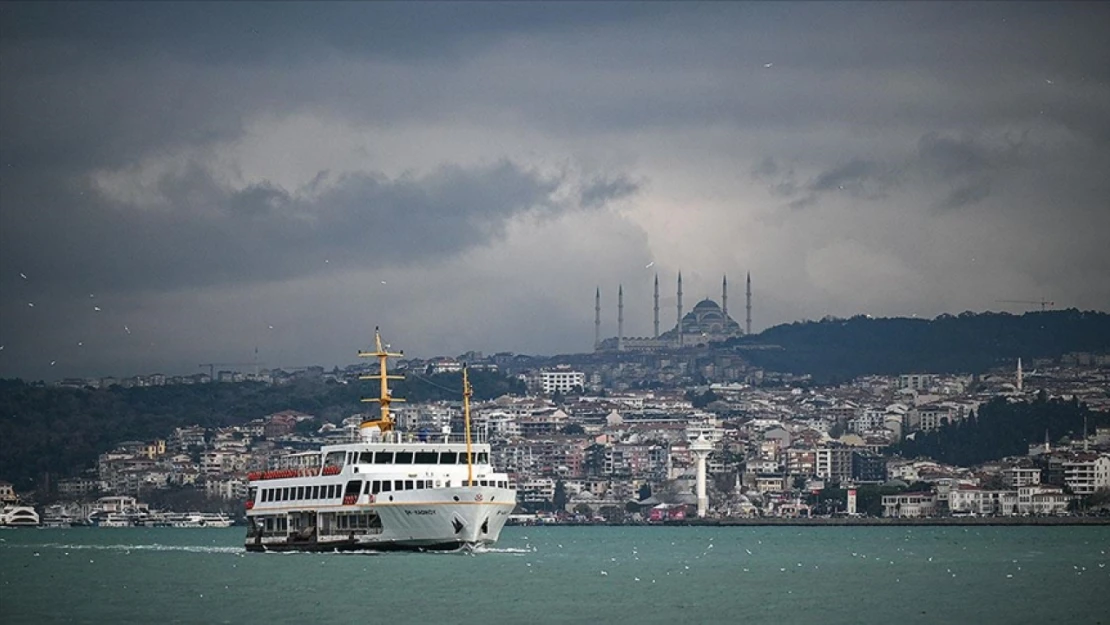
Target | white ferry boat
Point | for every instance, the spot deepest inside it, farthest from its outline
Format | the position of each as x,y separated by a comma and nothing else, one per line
389,491
18,516
196,519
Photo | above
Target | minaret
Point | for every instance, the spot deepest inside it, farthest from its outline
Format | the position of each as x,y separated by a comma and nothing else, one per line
1020,382
724,296
657,305
1047,448
620,318
678,325
597,319
748,321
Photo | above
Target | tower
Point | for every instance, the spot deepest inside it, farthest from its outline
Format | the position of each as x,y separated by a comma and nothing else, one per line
1020,382
724,296
701,447
748,320
657,305
678,322
620,318
597,318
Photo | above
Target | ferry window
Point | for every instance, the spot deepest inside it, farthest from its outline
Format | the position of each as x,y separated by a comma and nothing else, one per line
367,457
404,457
300,492
334,459
483,482
265,495
366,489
398,485
315,492
483,458
408,484
419,484
425,457
285,494
387,486
448,457
383,457
375,487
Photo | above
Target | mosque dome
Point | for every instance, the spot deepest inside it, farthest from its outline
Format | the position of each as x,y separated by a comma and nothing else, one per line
707,305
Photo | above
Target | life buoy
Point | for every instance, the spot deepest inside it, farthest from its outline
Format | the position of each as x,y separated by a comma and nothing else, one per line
478,497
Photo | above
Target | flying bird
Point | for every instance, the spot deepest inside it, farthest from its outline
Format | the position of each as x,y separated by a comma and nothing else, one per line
649,265
768,64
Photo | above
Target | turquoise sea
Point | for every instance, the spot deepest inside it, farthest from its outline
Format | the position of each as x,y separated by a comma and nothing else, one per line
569,575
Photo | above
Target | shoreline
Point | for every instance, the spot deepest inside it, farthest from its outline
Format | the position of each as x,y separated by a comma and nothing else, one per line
851,522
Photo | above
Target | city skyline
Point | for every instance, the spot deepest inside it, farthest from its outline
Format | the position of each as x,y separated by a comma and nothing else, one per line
185,183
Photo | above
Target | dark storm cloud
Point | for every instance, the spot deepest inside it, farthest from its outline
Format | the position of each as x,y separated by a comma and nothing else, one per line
124,127
600,190
205,232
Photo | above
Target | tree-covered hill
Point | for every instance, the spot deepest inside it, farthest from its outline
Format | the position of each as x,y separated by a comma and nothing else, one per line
840,349
63,430
1002,429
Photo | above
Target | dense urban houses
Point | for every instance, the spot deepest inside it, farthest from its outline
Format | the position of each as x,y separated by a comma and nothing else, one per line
614,435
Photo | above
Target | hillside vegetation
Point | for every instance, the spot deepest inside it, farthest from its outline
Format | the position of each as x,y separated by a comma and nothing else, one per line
839,349
63,430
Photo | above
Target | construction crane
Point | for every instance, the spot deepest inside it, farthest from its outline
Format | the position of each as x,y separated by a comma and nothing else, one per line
212,367
1043,303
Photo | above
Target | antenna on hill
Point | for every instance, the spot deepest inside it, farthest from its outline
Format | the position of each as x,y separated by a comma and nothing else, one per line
1043,303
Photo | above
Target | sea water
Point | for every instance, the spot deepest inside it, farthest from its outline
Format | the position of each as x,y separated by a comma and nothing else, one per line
637,575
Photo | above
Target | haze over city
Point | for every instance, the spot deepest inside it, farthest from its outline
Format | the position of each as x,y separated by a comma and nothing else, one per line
185,183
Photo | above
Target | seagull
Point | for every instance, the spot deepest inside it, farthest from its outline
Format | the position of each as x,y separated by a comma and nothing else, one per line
649,265
96,308
604,573
22,275
127,329
31,304
383,281
768,64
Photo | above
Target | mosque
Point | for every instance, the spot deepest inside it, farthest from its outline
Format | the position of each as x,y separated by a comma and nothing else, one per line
707,322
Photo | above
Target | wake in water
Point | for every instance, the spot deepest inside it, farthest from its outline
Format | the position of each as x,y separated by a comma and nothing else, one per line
150,547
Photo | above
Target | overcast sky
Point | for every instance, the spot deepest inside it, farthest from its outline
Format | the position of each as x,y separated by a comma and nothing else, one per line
185,183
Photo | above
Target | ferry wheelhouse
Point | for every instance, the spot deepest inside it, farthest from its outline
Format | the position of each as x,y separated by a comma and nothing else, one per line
391,490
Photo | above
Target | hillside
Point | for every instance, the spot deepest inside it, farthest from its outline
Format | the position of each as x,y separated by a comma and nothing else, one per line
63,430
1002,429
840,349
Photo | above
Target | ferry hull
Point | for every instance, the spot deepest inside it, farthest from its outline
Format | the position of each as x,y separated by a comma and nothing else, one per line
431,520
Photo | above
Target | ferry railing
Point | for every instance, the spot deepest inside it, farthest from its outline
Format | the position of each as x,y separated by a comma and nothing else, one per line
425,437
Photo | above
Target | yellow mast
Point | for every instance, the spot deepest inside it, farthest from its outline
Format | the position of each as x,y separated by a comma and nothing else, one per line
467,392
385,423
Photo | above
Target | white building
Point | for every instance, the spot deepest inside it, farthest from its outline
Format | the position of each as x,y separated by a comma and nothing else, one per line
1042,500
1088,473
909,505
983,502
561,380
1016,477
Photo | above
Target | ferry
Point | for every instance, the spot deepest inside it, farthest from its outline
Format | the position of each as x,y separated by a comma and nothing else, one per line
388,491
18,516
